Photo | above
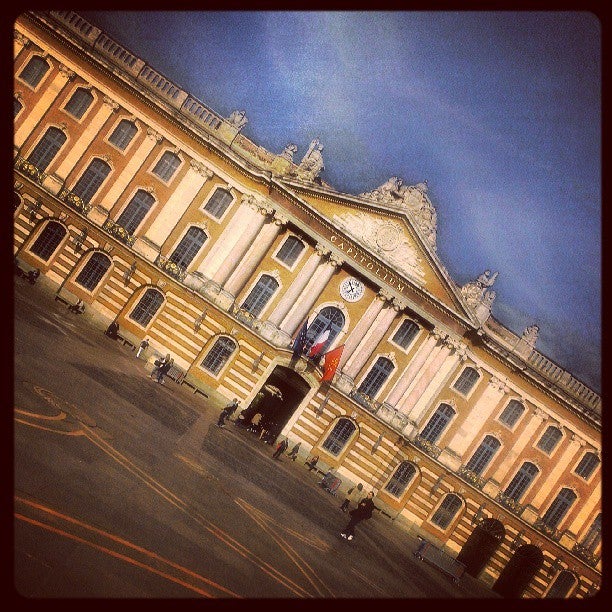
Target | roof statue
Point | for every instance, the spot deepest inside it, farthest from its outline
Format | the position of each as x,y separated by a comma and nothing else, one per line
412,198
289,151
312,163
238,119
530,335
478,296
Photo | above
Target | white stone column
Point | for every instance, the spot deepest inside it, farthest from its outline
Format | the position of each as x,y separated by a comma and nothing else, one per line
474,420
268,234
247,213
43,105
310,295
246,239
438,372
426,373
557,473
363,326
91,129
178,203
372,338
409,374
134,163
297,286
511,454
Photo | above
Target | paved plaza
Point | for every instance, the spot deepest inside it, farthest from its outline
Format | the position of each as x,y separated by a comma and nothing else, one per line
125,488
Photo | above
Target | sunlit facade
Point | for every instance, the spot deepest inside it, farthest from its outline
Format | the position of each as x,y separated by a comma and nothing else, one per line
159,214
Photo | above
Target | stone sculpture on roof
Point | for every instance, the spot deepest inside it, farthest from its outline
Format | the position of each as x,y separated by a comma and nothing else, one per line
238,119
412,198
478,296
312,163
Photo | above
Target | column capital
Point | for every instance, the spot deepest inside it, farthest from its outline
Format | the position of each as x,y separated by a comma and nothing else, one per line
498,384
399,304
279,219
24,41
66,72
577,440
384,295
335,260
151,133
439,334
201,169
540,414
110,102
321,251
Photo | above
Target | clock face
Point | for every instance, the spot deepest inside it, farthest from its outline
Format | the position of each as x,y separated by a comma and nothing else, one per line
351,289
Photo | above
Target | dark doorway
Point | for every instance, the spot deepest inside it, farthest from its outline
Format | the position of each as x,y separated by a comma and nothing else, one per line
275,411
523,566
481,545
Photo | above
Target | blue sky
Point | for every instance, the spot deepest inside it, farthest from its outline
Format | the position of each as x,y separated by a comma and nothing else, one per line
499,111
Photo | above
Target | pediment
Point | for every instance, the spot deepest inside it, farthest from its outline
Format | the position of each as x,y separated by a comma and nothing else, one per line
394,236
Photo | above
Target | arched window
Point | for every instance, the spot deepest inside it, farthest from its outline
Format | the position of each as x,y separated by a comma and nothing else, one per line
401,478
483,455
93,271
48,240
47,148
17,106
260,295
592,539
376,377
406,333
328,318
588,464
446,511
122,135
550,439
339,436
521,481
219,354
91,180
147,307
512,413
136,211
562,585
34,71
79,102
467,380
437,423
167,165
558,509
219,203
290,251
188,247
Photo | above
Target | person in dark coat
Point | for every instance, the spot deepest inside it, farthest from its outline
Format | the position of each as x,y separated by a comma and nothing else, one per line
362,512
280,449
163,369
227,412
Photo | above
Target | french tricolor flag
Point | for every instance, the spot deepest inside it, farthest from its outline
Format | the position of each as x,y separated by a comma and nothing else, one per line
319,342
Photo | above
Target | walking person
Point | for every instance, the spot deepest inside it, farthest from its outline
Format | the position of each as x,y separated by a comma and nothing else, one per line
227,412
144,345
280,449
294,451
362,512
354,494
158,363
312,463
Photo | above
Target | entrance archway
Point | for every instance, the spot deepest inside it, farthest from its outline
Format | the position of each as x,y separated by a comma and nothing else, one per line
523,566
481,545
275,411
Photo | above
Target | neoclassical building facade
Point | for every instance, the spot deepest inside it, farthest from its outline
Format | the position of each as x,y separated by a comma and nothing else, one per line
134,196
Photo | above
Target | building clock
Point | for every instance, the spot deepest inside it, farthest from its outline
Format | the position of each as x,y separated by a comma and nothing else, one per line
351,289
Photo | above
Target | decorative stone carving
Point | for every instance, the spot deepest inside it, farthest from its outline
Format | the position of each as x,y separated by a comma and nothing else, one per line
289,151
477,295
111,103
238,119
385,238
312,163
530,335
66,72
21,39
413,199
